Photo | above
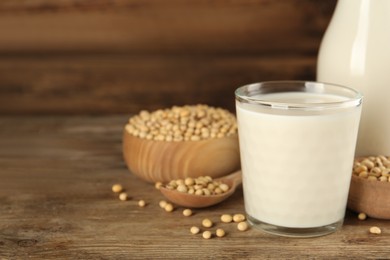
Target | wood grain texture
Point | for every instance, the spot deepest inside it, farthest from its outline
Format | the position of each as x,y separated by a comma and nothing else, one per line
172,26
127,84
56,203
106,56
163,161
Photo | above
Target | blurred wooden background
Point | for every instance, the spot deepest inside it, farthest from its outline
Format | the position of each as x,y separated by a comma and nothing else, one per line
120,56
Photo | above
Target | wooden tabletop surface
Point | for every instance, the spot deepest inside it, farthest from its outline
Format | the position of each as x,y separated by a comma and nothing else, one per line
56,203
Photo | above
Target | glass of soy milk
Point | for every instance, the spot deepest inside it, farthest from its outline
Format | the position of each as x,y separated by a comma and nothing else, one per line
297,144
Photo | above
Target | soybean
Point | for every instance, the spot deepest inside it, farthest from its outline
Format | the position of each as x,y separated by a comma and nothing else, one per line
202,185
207,223
123,196
242,226
169,207
207,234
220,232
373,168
375,230
141,203
187,212
189,123
158,185
162,203
194,230
238,217
226,218
362,216
117,188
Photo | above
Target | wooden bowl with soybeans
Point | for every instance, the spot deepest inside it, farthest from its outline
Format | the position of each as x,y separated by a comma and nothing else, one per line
370,187
180,142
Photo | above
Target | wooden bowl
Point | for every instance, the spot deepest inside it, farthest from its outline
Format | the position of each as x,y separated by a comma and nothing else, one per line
370,197
164,161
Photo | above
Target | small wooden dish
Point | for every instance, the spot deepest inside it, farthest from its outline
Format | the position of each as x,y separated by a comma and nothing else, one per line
370,197
164,161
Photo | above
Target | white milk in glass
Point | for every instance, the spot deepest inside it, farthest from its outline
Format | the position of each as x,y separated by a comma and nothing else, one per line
296,166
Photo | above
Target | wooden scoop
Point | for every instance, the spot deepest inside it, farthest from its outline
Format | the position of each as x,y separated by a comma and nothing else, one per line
201,201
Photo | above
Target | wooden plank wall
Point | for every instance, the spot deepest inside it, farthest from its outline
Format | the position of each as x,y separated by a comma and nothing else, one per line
120,56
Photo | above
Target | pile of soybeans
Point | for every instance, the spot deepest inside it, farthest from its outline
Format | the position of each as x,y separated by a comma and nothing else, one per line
185,123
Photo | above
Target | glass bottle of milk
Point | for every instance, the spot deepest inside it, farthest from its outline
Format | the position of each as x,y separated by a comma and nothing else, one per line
355,52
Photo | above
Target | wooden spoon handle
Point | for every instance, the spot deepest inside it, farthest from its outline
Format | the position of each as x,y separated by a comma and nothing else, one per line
235,177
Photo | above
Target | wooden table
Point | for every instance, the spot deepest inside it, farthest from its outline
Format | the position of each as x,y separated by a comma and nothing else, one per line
56,202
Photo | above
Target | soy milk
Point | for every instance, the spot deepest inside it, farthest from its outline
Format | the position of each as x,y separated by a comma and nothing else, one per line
296,166
355,52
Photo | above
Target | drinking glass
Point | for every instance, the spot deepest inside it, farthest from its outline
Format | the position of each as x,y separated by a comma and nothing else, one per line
297,145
